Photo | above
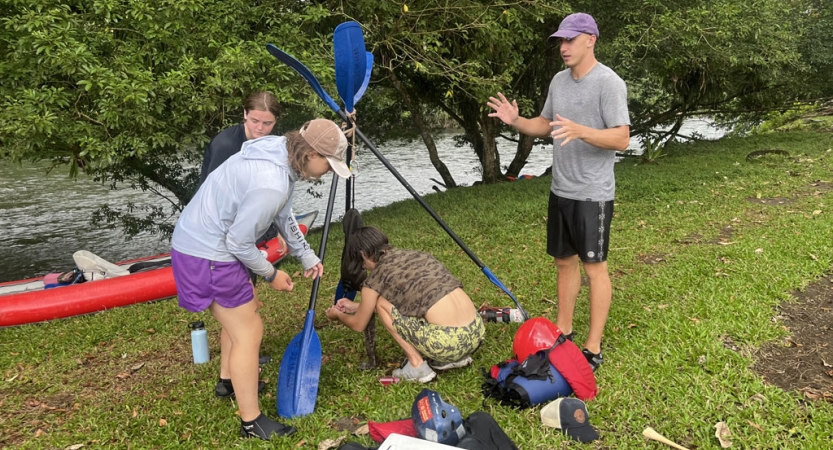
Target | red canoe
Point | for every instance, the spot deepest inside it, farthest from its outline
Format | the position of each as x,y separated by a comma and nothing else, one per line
29,302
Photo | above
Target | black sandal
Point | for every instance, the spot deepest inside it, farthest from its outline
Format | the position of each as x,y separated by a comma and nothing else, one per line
224,388
264,428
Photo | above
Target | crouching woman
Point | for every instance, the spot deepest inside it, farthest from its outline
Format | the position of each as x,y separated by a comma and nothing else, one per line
419,301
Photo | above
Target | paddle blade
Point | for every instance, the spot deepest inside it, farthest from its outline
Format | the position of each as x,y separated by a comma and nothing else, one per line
498,283
299,373
350,61
304,72
366,81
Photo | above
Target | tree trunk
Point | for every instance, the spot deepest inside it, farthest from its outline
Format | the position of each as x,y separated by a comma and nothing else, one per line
427,137
490,159
521,155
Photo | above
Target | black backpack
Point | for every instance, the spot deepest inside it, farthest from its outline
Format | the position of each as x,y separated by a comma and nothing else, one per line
483,433
355,446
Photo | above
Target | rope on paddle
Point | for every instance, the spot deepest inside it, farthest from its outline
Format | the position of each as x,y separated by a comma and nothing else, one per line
347,128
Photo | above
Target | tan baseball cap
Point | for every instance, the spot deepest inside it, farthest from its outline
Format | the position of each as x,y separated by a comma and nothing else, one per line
327,139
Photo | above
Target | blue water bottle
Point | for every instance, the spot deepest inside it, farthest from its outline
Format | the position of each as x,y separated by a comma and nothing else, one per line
199,342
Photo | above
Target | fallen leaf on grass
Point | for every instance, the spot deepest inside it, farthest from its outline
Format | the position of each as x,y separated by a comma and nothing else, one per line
362,430
349,424
722,433
163,423
812,394
136,366
327,444
755,425
75,447
39,433
758,398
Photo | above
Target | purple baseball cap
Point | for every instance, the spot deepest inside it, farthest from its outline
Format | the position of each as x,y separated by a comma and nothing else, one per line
575,24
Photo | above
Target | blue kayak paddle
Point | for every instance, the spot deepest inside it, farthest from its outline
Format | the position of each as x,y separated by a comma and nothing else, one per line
301,364
316,86
353,66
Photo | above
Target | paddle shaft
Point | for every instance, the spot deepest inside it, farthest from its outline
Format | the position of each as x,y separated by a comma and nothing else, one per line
349,193
433,214
414,193
321,251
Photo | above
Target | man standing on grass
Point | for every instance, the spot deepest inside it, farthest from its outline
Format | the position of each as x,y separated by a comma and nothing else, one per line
586,114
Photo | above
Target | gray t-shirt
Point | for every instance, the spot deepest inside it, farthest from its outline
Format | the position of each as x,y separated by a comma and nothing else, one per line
598,100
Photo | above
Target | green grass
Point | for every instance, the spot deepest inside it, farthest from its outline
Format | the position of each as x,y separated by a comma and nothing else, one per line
695,263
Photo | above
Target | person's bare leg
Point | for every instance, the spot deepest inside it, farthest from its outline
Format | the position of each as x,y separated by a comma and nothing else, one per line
569,283
383,308
225,351
245,331
601,294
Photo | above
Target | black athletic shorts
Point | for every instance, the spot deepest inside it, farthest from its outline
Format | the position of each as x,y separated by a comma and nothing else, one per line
578,227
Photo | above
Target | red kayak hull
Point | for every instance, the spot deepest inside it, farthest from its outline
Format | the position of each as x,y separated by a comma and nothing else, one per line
95,296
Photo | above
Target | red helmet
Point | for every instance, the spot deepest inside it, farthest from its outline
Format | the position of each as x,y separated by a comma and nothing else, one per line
534,335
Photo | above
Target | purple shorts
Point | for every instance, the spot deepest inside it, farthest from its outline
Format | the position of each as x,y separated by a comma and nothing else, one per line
200,282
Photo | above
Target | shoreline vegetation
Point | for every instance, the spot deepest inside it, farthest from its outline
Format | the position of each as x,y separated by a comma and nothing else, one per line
706,243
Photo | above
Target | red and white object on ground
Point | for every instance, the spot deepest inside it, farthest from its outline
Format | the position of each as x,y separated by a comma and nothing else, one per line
26,301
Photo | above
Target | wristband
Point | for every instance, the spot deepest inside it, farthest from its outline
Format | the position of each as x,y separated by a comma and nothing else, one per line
271,278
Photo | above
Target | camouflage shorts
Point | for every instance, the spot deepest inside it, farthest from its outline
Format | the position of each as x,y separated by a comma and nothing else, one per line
440,343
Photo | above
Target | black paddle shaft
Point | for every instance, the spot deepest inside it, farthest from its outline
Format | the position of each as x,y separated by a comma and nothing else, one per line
321,251
350,194
414,193
433,214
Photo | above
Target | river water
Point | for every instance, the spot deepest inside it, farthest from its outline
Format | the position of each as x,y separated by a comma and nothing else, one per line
44,218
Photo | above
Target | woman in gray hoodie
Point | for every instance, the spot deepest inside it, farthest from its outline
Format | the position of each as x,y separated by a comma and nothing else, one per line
214,247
